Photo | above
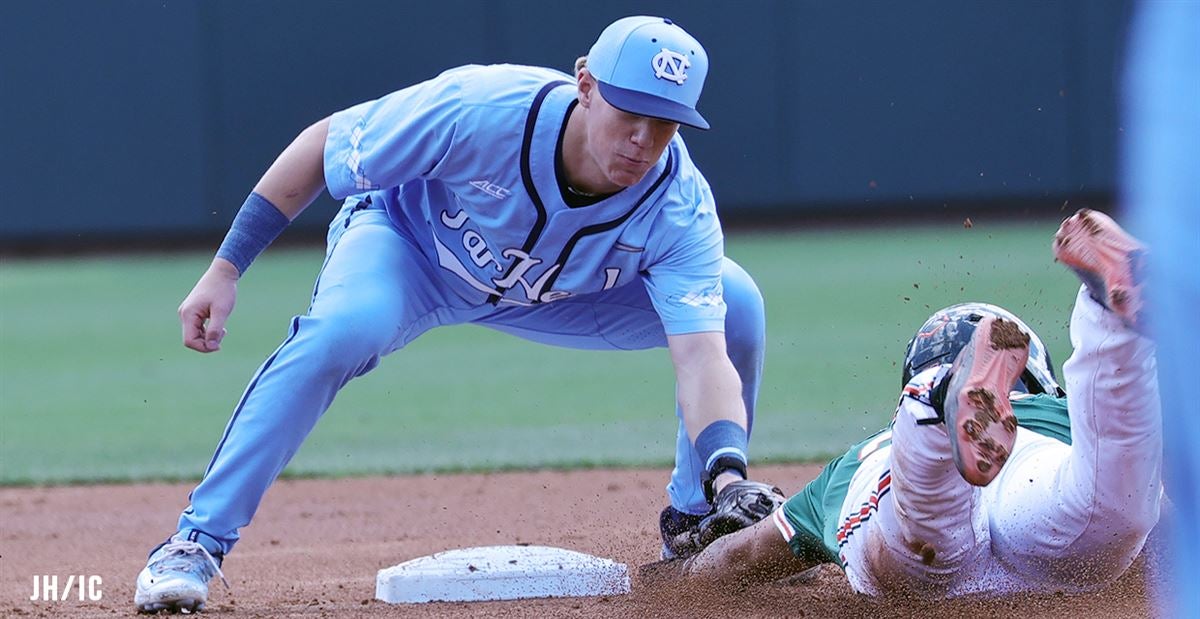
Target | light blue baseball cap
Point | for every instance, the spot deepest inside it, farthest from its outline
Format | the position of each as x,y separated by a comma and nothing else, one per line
649,66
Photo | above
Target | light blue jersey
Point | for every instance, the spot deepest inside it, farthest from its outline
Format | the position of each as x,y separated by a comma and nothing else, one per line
457,212
467,162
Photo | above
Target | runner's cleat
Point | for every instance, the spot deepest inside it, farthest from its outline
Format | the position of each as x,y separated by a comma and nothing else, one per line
1107,259
978,415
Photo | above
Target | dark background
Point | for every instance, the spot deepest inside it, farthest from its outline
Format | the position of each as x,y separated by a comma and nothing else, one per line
131,119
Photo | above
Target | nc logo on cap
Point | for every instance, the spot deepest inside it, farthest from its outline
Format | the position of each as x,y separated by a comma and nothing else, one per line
669,65
669,88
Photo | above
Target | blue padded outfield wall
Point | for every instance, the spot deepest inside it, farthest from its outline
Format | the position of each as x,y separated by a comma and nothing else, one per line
156,117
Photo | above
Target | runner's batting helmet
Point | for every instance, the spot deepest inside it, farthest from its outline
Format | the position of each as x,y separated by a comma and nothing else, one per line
949,329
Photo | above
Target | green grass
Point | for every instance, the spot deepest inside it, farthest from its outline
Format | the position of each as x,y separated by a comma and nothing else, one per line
94,385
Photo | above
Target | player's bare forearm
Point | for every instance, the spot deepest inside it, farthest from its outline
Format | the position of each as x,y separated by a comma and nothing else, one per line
289,185
753,555
297,176
709,388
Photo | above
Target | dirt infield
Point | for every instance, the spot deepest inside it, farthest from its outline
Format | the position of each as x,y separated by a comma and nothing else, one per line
315,546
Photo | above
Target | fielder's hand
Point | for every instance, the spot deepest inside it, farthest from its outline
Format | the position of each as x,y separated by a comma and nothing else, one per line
738,505
203,313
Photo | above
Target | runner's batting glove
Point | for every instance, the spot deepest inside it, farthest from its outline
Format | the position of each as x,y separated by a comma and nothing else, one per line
738,505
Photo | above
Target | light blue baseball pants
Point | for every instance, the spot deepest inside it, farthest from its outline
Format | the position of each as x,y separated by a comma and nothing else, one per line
370,300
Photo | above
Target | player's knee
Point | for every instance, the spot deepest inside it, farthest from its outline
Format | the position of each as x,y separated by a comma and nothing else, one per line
343,343
1124,514
353,338
740,290
1132,522
1109,544
745,318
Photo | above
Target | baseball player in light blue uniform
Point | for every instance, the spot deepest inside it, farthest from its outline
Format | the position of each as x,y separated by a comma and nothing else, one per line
1161,142
565,210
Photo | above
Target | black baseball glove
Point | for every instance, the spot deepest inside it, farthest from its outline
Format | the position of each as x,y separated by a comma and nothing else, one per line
738,505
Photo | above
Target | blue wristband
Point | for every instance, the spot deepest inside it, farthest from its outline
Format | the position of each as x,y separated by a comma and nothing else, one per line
255,226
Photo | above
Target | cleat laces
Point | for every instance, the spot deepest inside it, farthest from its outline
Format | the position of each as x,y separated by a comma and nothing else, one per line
180,556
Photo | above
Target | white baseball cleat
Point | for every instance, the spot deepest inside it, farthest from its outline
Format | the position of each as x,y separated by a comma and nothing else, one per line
978,414
176,578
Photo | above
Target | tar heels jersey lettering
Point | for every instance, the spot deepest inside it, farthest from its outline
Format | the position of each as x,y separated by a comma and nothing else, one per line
466,163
